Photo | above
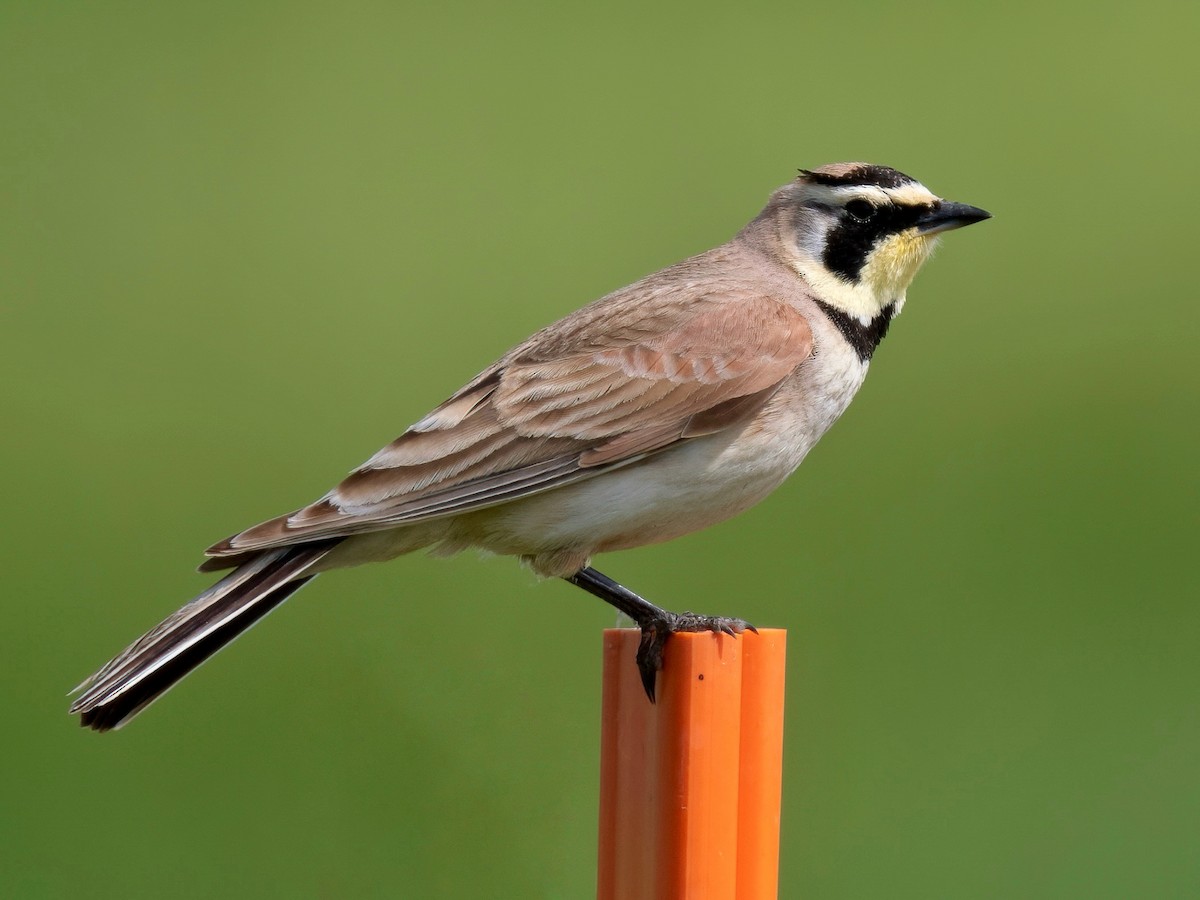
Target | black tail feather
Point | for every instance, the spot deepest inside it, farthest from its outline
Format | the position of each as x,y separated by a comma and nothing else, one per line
158,660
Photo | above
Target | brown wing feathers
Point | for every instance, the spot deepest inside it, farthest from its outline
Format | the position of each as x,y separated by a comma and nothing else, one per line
602,396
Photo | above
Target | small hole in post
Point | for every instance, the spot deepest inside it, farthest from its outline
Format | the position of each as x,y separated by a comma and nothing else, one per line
700,676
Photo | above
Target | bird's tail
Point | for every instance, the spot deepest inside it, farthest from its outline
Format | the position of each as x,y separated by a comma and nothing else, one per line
156,661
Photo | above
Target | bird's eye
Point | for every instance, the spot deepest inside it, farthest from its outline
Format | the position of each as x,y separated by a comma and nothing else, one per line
861,210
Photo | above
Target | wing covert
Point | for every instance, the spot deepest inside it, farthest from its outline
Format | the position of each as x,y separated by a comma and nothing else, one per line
617,391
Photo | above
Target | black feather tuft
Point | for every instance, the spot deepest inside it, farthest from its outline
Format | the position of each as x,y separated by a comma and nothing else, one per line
866,173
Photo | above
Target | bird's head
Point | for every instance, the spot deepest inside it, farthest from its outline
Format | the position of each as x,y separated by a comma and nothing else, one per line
858,233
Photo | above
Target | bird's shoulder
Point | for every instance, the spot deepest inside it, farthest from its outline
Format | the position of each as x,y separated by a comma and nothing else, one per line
732,277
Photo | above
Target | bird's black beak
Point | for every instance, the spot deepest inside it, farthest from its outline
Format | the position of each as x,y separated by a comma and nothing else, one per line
947,215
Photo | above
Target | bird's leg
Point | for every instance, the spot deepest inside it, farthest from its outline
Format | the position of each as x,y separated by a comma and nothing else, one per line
657,624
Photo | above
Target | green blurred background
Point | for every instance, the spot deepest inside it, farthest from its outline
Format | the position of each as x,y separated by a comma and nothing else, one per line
243,245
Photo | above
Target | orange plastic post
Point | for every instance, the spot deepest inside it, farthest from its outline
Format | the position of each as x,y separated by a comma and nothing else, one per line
690,786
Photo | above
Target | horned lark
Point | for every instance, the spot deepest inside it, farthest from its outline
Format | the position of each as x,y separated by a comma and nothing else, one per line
657,410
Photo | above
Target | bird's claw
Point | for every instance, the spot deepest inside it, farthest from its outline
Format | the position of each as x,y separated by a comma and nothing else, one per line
656,631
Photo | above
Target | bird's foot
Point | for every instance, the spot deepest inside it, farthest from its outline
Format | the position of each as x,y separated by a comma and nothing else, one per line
657,624
657,629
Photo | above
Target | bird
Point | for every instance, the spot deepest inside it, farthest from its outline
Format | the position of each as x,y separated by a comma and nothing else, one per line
658,410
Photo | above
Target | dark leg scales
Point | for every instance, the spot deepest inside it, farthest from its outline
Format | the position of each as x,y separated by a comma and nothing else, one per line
657,624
